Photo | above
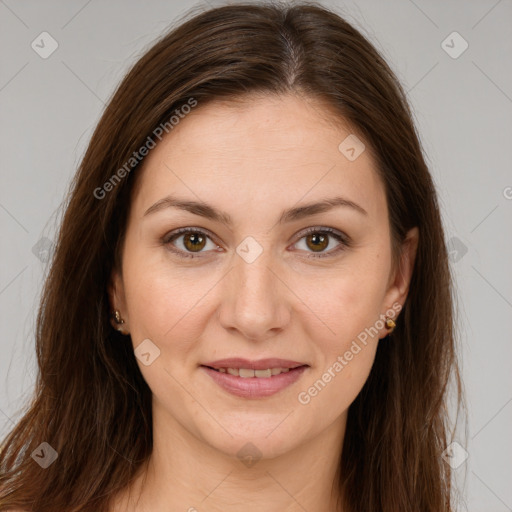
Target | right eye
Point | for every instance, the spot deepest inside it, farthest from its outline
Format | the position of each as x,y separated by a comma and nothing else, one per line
193,240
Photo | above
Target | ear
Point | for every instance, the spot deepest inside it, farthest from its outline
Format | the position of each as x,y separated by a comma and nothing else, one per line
398,286
116,296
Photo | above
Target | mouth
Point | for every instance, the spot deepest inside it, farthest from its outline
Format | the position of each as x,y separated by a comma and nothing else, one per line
256,379
249,373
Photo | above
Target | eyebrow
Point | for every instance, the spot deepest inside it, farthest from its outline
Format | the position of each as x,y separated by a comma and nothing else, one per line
205,210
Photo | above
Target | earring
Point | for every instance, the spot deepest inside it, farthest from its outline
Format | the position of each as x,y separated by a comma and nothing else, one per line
390,324
116,317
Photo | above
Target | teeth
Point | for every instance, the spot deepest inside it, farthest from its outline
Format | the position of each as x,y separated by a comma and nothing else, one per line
248,373
263,373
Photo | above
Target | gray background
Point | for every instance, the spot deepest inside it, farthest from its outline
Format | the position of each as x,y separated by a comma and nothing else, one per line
462,107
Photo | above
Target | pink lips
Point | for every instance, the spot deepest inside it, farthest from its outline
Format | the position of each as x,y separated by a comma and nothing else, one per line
254,387
262,364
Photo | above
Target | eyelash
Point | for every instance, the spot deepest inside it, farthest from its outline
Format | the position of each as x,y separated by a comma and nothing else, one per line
343,239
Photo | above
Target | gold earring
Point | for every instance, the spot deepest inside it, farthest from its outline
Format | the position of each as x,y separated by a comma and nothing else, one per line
390,324
116,317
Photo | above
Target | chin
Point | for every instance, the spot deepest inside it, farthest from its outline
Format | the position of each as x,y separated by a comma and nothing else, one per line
252,444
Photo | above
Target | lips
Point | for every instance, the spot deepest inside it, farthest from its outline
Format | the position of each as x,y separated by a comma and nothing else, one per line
261,364
254,379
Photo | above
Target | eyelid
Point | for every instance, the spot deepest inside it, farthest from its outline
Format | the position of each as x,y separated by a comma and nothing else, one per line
191,229
324,229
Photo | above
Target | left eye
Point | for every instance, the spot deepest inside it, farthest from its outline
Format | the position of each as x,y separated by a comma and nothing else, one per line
195,240
319,239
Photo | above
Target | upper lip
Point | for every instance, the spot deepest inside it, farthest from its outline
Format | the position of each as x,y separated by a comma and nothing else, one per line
261,364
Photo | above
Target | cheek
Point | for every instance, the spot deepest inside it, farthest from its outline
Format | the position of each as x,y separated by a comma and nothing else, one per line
350,305
349,350
350,301
343,369
347,353
166,304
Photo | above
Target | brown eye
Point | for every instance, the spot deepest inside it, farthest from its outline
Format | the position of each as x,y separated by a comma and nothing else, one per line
317,241
194,241
189,243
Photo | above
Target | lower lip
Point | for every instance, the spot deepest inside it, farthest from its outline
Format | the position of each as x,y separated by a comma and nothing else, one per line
255,387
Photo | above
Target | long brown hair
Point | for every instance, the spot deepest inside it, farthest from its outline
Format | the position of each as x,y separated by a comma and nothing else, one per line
91,403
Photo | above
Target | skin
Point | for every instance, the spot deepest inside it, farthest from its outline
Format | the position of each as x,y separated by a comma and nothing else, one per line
253,160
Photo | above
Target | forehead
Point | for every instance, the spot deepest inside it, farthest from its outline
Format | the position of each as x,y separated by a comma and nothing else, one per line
256,153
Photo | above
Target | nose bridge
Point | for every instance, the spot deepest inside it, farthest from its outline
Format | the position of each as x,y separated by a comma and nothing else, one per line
258,302
256,281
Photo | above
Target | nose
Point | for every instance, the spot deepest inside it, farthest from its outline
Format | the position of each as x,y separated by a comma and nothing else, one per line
255,300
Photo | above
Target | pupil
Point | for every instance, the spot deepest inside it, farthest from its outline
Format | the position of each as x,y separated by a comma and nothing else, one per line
319,239
195,239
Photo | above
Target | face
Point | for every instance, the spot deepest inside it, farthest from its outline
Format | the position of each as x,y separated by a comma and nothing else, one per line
263,279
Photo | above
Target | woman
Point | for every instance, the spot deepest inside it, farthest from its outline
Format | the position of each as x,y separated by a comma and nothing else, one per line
252,220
